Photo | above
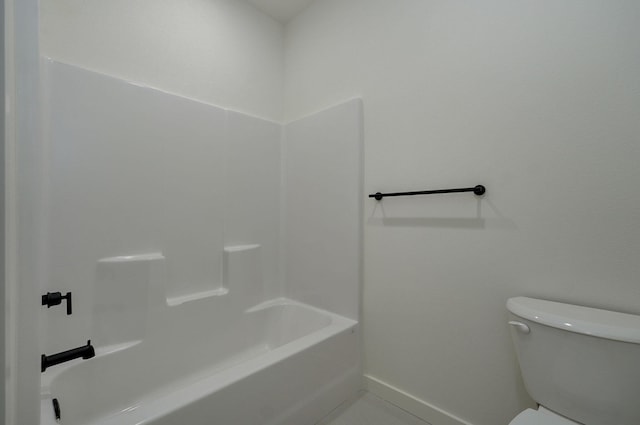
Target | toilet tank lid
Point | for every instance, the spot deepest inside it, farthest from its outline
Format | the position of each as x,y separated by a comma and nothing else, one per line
583,320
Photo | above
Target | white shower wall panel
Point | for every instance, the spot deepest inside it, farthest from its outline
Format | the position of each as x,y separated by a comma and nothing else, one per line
133,170
323,208
254,191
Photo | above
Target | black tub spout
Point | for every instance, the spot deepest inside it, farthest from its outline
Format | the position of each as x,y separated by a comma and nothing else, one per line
84,352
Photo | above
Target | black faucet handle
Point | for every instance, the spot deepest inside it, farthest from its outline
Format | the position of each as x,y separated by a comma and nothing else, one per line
68,298
55,298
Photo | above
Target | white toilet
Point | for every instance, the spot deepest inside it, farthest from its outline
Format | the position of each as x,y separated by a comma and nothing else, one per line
582,365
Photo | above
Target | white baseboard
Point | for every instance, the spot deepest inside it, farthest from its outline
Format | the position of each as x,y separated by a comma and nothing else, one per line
413,405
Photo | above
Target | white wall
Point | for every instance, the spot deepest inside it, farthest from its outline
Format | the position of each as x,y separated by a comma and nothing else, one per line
539,101
224,52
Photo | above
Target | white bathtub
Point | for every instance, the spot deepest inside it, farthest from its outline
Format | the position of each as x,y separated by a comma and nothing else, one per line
280,363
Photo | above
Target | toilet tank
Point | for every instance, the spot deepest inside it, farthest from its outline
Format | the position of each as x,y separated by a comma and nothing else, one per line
582,363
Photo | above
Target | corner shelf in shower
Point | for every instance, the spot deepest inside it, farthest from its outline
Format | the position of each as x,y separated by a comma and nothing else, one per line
229,251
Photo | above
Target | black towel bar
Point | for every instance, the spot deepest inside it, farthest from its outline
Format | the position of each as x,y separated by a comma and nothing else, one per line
479,190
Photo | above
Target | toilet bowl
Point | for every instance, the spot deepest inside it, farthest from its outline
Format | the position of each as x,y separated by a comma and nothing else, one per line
580,364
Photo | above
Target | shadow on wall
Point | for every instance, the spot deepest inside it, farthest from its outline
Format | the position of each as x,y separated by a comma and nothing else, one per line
381,217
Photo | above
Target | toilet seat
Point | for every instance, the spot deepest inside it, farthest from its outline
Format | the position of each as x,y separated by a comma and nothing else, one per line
541,416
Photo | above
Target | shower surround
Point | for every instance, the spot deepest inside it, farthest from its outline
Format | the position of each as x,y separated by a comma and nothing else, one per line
214,257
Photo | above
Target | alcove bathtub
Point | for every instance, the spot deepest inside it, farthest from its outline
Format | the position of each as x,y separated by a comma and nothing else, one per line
281,362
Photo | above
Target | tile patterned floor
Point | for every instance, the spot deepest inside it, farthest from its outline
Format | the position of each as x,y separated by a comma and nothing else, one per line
368,409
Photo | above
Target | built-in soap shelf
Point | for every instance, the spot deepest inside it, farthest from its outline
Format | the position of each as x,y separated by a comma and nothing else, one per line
136,275
179,300
131,287
154,256
121,299
230,250
240,268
